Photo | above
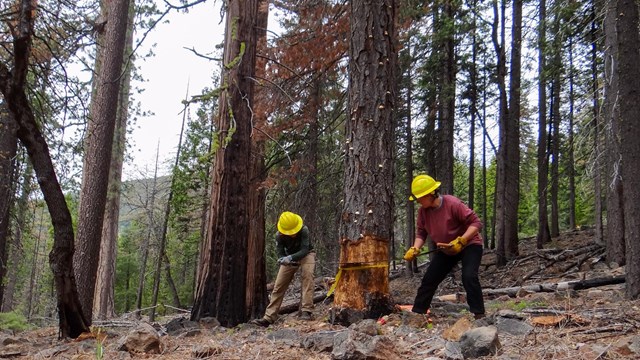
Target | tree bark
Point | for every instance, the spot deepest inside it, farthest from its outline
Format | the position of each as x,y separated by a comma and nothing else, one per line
411,266
8,151
615,237
98,150
498,39
103,305
555,121
221,285
367,221
508,193
571,173
594,34
543,235
257,298
628,46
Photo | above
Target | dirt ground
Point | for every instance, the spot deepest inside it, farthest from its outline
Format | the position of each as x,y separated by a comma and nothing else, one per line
593,323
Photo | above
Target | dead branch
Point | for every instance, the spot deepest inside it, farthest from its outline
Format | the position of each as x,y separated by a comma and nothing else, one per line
572,252
618,328
552,287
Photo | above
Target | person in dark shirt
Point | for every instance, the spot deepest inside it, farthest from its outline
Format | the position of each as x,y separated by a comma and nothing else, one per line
455,230
295,251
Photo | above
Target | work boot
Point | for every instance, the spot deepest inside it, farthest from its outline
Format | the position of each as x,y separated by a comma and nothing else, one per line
306,315
260,322
478,316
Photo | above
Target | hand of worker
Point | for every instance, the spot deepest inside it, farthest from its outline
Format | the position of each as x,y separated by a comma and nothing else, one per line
285,260
412,253
454,247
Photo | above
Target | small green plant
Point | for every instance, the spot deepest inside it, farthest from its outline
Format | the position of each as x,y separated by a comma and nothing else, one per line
516,305
96,331
13,321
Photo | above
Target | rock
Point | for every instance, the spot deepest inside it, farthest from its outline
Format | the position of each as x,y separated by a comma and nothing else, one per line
319,341
205,351
453,351
179,325
356,345
209,322
290,337
454,333
479,342
627,346
513,326
142,339
367,326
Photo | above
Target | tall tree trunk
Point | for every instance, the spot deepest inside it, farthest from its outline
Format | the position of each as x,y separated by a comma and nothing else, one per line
150,204
615,239
628,46
257,298
8,151
512,159
171,284
570,157
412,266
98,149
13,85
555,120
220,288
498,26
165,226
594,34
485,198
16,252
543,235
474,105
448,100
31,290
103,305
366,224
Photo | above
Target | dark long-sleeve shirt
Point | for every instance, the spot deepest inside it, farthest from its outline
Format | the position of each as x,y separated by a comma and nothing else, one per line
298,245
448,221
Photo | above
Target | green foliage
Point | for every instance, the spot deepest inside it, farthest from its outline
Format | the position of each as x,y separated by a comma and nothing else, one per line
99,342
515,305
14,321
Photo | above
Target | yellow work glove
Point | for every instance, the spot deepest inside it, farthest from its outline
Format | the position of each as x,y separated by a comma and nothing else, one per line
454,247
412,253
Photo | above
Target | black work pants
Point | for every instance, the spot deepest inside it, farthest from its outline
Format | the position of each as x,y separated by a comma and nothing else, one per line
439,268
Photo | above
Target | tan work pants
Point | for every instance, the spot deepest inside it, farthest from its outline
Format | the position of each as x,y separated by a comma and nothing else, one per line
285,275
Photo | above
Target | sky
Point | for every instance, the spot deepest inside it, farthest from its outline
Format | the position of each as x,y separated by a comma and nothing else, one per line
168,74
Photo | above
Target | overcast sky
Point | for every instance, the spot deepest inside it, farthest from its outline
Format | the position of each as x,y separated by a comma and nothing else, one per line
168,74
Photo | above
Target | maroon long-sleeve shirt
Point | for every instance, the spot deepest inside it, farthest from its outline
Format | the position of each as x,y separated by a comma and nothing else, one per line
448,221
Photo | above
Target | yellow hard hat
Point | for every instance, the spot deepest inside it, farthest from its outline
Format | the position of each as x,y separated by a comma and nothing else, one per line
423,185
289,223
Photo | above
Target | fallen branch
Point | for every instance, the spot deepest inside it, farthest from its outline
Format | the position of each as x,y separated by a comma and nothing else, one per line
294,306
552,287
618,328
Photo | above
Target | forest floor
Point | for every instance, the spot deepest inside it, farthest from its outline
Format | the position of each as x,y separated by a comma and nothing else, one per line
593,323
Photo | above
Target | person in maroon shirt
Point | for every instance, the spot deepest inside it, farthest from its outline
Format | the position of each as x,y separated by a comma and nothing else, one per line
455,230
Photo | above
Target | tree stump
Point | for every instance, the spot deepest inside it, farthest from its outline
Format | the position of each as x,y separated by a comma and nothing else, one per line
362,283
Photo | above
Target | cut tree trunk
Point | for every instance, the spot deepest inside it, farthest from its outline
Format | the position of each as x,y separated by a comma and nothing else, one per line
362,289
